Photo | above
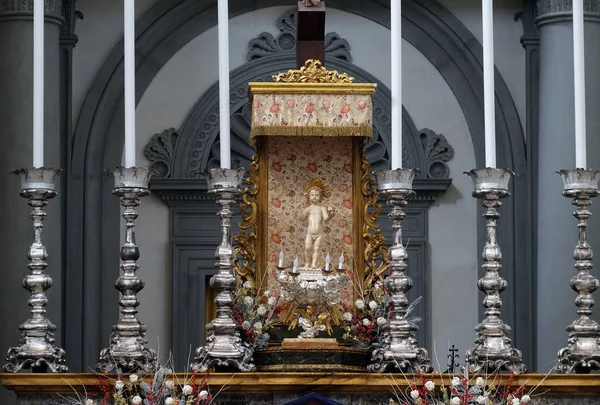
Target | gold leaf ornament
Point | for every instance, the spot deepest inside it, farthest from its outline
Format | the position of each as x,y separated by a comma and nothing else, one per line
313,71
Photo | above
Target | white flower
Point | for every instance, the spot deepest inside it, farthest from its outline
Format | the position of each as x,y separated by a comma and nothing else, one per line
267,293
347,316
245,325
430,385
516,401
414,394
360,304
480,382
169,401
247,284
366,322
258,325
378,285
481,399
373,305
261,310
169,384
186,390
133,378
272,301
203,394
119,385
89,402
249,301
381,321
456,382
525,398
137,400
455,401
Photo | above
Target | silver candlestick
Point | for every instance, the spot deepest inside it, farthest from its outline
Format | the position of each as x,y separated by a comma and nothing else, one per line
224,347
37,350
493,350
128,352
582,353
400,350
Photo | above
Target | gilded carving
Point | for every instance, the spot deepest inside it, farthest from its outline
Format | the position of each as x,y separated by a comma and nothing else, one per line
313,71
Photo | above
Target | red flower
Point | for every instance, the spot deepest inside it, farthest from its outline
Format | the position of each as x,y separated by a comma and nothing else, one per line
345,152
310,108
348,204
272,221
257,104
326,104
276,166
277,239
361,104
345,109
290,103
273,256
343,188
348,167
272,185
276,202
313,167
344,222
308,151
275,108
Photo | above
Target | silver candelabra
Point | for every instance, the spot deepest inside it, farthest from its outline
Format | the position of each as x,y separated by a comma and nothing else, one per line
400,350
224,347
493,350
582,353
128,352
37,350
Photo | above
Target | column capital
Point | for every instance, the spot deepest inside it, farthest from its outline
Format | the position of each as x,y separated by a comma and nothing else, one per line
24,8
561,10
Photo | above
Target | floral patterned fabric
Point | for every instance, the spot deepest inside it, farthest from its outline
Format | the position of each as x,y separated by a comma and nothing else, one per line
312,115
292,161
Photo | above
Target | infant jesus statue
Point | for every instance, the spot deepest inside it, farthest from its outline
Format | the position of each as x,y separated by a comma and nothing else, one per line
317,215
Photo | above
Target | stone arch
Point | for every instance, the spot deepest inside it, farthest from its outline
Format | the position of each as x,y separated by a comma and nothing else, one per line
165,29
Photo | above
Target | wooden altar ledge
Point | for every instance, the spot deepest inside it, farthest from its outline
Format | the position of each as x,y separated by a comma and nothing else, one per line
293,383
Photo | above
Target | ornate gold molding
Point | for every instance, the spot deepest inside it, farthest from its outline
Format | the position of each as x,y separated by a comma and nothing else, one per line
246,240
375,244
313,71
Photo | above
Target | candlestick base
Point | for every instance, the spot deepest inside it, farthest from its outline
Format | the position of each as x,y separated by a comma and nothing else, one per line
582,354
224,347
400,350
493,351
128,352
37,350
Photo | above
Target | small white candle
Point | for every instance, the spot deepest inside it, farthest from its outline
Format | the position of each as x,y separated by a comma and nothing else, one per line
38,83
295,265
488,84
280,264
224,132
396,54
129,65
579,71
341,263
327,262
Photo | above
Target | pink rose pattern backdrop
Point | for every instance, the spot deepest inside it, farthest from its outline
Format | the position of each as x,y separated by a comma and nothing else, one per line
292,162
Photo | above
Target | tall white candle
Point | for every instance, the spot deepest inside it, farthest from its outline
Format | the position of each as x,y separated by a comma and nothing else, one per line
38,83
224,133
579,70
488,84
396,54
129,62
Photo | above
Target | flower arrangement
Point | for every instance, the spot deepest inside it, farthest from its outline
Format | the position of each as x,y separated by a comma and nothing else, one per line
256,314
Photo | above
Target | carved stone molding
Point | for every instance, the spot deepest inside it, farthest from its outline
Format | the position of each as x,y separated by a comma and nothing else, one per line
558,6
527,17
266,44
159,152
53,7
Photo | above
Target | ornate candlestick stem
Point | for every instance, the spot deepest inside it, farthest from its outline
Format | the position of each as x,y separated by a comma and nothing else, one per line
582,353
493,350
36,350
128,352
400,349
224,347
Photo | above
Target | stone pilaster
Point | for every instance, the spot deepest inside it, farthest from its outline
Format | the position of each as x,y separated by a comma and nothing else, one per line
16,116
556,228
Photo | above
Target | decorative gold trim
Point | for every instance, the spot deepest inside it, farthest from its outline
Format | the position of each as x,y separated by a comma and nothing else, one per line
246,240
367,89
289,130
325,349
375,244
313,71
312,367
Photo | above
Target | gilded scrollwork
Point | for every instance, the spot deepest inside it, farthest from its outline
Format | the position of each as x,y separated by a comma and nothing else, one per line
313,71
376,260
247,239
